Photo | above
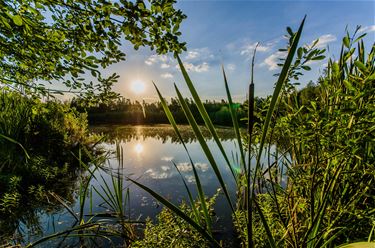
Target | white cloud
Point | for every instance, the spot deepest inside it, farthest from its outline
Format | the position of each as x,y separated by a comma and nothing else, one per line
272,60
195,60
149,61
231,67
201,166
367,29
198,54
157,175
166,75
165,168
192,54
154,59
248,49
186,167
168,159
190,178
325,39
202,67
164,66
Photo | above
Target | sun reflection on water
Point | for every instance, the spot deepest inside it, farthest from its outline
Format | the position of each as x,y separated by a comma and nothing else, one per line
138,148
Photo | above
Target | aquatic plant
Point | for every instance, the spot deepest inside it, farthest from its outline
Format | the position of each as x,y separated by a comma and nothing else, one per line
316,187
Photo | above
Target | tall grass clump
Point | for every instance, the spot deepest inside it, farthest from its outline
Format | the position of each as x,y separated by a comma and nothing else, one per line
14,118
111,227
37,143
314,189
328,198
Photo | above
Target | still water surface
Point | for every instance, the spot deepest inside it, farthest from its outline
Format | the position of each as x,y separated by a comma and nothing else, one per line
148,152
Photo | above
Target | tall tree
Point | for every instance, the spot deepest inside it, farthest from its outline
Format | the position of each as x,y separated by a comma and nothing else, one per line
49,40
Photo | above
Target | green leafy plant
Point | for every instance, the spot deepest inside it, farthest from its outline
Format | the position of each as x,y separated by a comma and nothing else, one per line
172,231
309,182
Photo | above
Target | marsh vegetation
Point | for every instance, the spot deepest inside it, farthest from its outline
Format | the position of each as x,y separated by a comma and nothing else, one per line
295,169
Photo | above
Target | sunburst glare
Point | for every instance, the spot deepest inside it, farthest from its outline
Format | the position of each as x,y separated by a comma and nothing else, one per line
138,86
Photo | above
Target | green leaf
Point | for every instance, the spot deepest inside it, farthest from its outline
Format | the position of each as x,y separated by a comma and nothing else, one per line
318,57
359,245
17,143
346,41
289,30
17,20
371,77
205,117
306,68
300,52
280,82
360,37
361,66
192,204
348,85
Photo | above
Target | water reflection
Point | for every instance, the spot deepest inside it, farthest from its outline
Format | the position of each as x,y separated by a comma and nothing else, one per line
148,155
151,154
165,133
138,148
29,220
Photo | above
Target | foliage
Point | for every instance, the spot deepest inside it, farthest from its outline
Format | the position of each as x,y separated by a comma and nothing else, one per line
14,119
31,127
330,142
172,231
36,146
45,41
260,236
314,189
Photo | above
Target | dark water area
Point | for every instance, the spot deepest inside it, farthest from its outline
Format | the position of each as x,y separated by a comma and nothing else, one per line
148,152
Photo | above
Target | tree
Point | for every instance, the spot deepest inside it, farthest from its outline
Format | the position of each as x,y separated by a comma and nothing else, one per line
60,40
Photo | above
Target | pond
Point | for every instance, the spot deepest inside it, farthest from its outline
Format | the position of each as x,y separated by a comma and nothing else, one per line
148,156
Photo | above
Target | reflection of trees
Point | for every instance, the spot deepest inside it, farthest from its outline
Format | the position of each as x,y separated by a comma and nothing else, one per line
160,132
28,213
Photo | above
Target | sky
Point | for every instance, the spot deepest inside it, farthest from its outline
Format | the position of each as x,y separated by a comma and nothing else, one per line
225,33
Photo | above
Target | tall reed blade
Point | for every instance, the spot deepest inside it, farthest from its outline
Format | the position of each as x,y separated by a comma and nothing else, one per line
279,84
191,200
197,180
278,87
250,124
204,146
236,128
204,114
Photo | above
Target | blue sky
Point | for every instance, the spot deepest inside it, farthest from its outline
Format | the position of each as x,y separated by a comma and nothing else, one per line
224,32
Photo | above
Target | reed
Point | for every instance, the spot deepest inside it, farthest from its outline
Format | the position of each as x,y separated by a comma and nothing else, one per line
307,181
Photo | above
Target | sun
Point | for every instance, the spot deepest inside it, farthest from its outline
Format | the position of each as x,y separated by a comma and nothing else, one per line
137,86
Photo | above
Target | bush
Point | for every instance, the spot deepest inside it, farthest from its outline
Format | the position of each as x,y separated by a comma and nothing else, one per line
172,231
36,145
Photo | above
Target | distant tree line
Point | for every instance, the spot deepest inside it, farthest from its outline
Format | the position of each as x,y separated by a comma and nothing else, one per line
125,111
